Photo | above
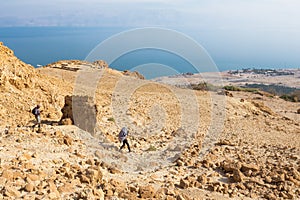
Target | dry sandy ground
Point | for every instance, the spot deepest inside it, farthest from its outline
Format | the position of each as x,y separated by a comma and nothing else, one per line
225,78
252,131
186,144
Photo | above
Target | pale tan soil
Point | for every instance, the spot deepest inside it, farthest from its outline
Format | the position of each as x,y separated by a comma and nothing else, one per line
225,78
203,145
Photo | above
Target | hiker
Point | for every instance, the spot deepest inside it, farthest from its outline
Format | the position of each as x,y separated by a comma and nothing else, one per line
123,138
37,113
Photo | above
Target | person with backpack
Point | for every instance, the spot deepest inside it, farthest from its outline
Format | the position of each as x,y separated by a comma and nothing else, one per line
37,113
123,138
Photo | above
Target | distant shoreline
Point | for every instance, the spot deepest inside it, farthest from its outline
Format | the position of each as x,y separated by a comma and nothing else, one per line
44,45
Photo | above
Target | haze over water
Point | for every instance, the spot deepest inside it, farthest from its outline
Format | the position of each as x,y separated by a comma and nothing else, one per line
236,34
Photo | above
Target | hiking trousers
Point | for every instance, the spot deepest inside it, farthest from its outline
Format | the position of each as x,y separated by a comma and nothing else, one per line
38,120
125,141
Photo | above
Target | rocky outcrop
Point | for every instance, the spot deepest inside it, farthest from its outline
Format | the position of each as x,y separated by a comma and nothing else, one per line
14,72
22,88
134,74
81,111
263,108
66,63
75,65
100,64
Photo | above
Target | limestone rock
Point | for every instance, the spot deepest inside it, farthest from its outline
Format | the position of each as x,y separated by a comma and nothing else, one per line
66,188
100,64
270,196
29,187
247,167
202,179
33,177
114,170
133,74
95,176
68,140
67,121
146,191
11,192
118,185
183,184
8,174
82,111
230,166
238,176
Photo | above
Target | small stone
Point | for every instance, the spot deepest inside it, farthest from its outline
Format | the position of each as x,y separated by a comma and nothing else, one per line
183,184
26,156
202,179
114,170
35,155
52,186
29,187
11,192
32,177
79,154
161,193
19,140
247,167
99,193
180,197
90,162
268,179
68,140
8,174
52,195
66,121
118,185
238,176
147,191
133,188
109,193
95,176
270,196
230,166
66,188
58,134
179,163
84,179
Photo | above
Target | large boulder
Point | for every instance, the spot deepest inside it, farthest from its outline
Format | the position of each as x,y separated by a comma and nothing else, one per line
81,111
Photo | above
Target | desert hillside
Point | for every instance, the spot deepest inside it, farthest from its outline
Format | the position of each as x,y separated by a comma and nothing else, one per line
22,87
186,144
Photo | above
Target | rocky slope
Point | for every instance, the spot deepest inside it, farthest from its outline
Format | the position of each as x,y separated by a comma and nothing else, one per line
22,87
186,144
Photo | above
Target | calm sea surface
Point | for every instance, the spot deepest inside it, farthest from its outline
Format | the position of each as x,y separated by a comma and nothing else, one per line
44,45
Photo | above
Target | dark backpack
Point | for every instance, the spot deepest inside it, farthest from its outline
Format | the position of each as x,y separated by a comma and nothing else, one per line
34,111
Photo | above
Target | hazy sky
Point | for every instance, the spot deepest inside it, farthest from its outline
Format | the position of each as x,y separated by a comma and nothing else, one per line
244,27
211,14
